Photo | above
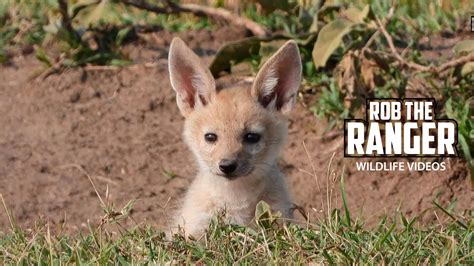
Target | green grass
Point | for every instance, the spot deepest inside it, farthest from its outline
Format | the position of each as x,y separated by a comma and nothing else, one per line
337,239
332,241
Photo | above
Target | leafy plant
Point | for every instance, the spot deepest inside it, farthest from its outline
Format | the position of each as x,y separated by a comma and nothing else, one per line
463,113
97,33
331,105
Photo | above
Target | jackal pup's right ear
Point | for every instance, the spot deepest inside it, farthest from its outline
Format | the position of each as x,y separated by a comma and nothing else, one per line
190,78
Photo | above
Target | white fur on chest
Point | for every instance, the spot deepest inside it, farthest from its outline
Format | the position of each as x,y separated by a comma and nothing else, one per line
237,198
208,196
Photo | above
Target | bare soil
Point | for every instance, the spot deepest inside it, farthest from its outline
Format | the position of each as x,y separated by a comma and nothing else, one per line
122,128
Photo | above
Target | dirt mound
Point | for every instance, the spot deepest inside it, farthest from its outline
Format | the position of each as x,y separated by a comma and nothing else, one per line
123,128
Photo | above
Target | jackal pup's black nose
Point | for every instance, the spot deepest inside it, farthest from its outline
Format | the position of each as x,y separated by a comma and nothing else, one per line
228,166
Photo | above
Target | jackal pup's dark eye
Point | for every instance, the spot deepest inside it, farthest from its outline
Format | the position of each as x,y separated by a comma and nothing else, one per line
210,137
251,137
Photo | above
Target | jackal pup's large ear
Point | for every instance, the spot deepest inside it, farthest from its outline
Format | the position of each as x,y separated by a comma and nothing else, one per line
277,82
190,78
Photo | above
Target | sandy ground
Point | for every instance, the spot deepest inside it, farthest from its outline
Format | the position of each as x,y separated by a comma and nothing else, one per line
122,127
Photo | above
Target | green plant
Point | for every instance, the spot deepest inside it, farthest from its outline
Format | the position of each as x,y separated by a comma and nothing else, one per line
83,32
21,24
463,112
180,23
346,36
336,239
331,105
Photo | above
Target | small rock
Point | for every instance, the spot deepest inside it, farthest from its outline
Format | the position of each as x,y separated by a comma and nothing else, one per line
43,169
75,97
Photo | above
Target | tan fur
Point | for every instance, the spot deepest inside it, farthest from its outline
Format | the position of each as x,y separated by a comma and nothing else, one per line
230,113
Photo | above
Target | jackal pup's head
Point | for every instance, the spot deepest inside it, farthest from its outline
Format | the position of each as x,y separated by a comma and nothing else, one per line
240,130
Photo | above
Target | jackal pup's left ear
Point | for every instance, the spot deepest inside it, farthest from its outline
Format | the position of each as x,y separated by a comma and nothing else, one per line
190,78
277,82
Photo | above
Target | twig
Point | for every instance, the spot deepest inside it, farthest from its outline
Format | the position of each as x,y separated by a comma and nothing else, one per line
10,219
394,50
201,11
312,166
433,69
381,24
222,13
153,8
81,169
115,68
106,180
456,62
374,36
55,68
66,19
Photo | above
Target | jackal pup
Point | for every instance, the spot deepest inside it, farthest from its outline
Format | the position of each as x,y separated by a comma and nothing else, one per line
236,135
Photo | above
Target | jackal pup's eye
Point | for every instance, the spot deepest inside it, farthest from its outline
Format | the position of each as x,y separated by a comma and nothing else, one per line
251,137
210,137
